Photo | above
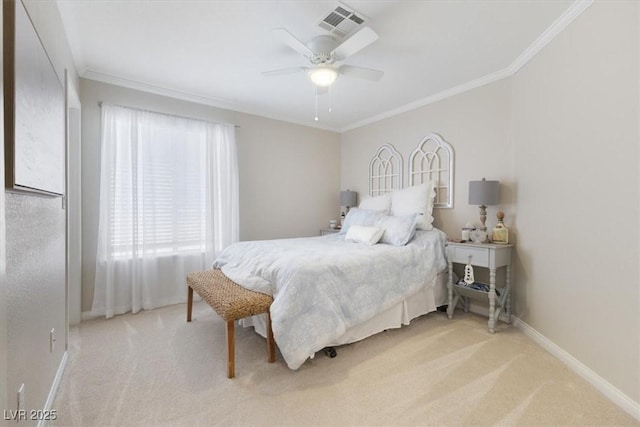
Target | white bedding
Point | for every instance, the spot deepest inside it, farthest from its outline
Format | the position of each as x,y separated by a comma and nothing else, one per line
323,286
418,304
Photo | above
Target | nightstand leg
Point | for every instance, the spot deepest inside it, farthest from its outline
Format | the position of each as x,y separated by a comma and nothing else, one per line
450,307
508,290
492,300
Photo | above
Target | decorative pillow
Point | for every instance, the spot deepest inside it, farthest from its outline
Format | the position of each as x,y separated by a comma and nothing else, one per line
398,230
416,199
365,217
367,235
380,203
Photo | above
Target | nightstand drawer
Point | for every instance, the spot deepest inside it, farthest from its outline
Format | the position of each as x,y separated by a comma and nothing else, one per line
326,231
460,254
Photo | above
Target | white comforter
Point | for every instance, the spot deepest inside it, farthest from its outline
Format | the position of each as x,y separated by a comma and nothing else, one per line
323,285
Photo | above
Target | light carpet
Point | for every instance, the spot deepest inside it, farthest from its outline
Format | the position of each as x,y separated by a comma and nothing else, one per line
155,369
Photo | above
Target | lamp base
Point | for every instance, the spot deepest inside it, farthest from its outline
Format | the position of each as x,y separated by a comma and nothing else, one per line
483,220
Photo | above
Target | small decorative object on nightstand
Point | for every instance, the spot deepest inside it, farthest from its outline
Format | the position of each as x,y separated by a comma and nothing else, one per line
500,233
479,236
466,232
485,255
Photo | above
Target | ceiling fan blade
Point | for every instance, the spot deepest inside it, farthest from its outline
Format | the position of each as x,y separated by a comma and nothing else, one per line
360,72
283,71
353,44
287,38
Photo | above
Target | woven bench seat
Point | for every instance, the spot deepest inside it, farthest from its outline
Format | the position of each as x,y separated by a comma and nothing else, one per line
231,302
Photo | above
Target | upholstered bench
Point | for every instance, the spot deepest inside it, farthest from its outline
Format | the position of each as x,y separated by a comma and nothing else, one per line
232,302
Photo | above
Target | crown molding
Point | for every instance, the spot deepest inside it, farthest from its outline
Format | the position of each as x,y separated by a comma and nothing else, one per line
146,87
431,99
549,34
188,96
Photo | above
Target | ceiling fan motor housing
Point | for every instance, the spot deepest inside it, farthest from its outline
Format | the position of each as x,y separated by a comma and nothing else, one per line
322,46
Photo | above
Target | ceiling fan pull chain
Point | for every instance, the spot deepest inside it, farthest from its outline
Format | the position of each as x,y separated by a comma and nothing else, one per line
329,90
316,119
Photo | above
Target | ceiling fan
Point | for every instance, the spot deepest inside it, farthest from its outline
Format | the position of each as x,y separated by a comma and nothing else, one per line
325,53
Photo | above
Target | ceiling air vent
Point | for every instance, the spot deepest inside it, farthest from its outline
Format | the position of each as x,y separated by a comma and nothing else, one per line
342,21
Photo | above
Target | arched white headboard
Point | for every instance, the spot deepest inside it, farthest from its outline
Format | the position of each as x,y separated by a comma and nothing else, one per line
432,160
385,171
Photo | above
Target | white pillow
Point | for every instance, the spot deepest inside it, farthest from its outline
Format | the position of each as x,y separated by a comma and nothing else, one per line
379,203
398,230
416,199
357,216
366,235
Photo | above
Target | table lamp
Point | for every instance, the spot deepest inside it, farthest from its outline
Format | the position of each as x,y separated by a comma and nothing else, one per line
348,198
484,193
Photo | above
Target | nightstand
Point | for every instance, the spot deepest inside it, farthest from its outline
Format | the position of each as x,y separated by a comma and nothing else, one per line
487,255
326,231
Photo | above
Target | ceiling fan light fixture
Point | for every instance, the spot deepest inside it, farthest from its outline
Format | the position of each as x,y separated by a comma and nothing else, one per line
323,76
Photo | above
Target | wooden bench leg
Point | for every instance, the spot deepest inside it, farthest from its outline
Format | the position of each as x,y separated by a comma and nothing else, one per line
271,346
230,349
189,303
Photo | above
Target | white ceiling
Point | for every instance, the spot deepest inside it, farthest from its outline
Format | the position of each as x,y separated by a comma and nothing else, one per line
214,51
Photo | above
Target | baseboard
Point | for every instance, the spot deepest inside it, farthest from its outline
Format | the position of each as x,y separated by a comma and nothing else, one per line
89,315
619,398
54,388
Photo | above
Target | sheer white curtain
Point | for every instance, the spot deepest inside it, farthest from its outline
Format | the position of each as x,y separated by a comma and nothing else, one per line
168,205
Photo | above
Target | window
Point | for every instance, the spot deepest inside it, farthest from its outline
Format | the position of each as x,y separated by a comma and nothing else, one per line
168,205
159,194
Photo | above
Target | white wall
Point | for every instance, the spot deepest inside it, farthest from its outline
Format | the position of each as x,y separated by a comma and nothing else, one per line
576,164
562,137
35,260
473,122
289,174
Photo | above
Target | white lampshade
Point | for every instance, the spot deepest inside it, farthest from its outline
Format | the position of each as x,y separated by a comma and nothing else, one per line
484,192
323,76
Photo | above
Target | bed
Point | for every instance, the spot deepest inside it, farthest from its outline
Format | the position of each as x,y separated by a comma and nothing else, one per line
337,289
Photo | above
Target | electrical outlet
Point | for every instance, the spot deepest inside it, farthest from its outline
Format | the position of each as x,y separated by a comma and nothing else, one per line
52,340
21,398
